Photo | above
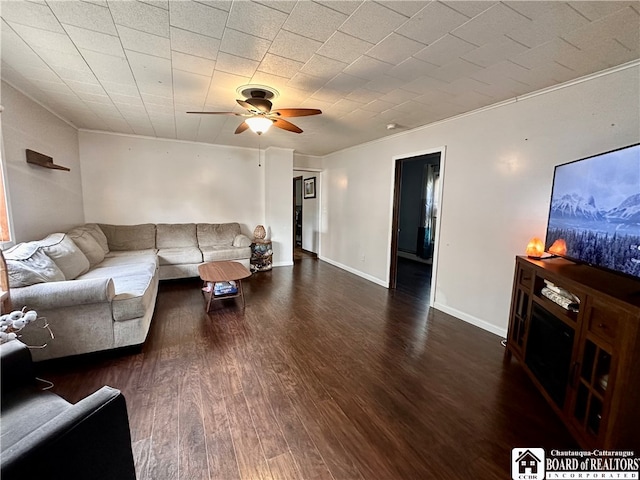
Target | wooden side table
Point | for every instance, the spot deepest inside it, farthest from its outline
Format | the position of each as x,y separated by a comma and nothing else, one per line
213,272
261,255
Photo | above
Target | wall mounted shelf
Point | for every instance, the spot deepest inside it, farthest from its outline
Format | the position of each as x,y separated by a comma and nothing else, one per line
41,160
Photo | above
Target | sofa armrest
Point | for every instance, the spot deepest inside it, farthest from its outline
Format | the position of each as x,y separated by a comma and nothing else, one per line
16,366
92,436
241,240
42,296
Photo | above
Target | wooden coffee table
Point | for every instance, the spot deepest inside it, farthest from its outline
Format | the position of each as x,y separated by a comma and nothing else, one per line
222,272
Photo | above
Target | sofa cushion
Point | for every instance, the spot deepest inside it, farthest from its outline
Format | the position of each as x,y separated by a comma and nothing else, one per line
130,237
114,269
27,265
170,235
210,234
134,295
97,233
241,241
66,255
177,256
132,253
88,244
221,253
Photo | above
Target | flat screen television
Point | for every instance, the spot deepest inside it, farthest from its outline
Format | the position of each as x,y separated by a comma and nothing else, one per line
595,210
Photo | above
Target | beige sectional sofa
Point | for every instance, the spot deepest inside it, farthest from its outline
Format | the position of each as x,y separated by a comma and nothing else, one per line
97,284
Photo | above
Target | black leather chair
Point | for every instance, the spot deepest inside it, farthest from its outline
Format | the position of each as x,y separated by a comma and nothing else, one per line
43,436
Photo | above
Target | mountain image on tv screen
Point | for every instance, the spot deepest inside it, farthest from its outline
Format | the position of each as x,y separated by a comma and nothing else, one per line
595,209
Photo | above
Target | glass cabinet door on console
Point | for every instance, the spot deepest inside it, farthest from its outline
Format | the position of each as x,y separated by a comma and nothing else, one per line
595,369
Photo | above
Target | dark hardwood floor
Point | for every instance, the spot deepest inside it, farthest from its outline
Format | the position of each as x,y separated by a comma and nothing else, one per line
324,375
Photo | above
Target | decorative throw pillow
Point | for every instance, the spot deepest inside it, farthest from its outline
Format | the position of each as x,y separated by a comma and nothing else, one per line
66,255
97,233
88,244
37,268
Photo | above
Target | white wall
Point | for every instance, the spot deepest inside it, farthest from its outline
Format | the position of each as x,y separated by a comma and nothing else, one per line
496,187
42,201
279,203
129,180
310,213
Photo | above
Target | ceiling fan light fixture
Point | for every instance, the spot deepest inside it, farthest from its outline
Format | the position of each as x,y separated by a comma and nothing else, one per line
259,124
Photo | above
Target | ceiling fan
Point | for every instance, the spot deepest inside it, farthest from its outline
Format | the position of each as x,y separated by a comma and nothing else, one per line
261,117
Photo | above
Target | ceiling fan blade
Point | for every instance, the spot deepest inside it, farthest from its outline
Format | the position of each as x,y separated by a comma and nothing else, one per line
242,127
296,112
218,113
283,124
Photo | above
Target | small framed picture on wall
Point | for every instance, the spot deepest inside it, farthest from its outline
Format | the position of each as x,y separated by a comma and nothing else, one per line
310,187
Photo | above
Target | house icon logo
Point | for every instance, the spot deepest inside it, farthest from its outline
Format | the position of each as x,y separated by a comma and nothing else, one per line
527,464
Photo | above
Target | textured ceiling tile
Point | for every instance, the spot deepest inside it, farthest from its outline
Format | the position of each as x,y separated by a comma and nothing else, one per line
347,105
545,53
368,68
108,68
344,48
363,95
345,83
282,5
624,26
344,6
385,84
598,57
96,41
314,21
549,19
244,45
411,69
496,21
143,42
470,8
495,51
444,50
164,4
323,67
595,10
398,96
31,14
235,65
81,87
395,49
275,65
372,22
193,64
293,46
424,84
85,15
194,44
431,23
198,18
505,69
455,70
191,84
141,16
378,106
406,8
256,19
15,51
306,82
115,88
44,39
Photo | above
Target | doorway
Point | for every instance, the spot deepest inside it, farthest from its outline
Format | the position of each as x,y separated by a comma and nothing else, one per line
415,219
297,213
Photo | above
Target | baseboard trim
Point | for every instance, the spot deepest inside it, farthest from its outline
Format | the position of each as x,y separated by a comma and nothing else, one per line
465,317
366,276
287,263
